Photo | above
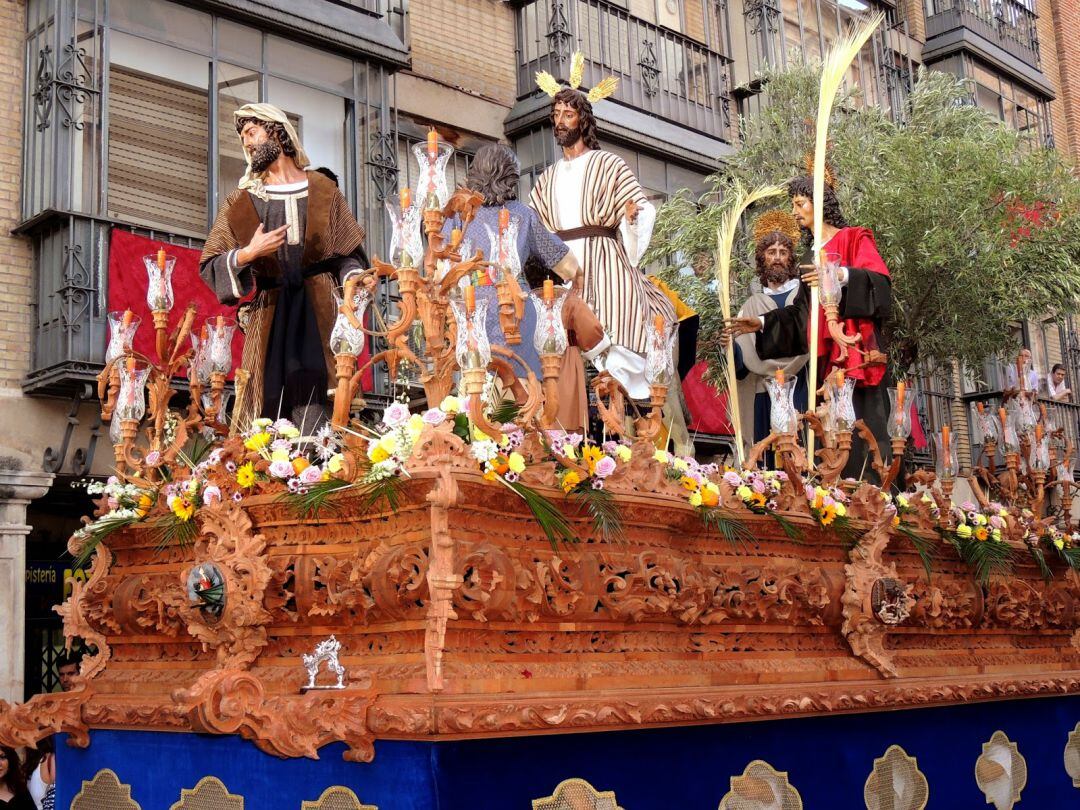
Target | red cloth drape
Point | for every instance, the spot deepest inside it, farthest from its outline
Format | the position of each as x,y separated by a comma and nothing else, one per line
128,282
856,248
708,408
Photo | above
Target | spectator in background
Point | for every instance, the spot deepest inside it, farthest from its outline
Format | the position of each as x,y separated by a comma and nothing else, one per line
67,668
1055,385
13,792
40,771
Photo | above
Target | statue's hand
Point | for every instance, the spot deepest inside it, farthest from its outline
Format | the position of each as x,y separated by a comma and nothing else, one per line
733,327
632,209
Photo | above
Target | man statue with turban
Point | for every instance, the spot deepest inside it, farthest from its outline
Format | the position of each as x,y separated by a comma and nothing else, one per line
287,234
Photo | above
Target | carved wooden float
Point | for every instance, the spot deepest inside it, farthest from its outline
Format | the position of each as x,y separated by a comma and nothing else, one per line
458,619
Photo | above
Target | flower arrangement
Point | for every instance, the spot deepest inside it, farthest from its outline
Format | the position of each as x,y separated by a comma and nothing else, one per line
827,504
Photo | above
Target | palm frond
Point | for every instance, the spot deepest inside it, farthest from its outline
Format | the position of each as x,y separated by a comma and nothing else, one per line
1070,556
169,530
547,514
197,449
98,531
607,522
1040,561
926,549
383,489
849,534
506,411
985,557
790,529
731,529
309,504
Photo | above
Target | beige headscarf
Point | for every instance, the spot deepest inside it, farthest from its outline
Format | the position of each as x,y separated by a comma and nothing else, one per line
268,112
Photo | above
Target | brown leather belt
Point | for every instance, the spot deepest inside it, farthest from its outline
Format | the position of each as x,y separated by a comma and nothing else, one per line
585,231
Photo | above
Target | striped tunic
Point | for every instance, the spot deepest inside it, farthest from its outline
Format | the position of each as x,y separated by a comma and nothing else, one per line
621,296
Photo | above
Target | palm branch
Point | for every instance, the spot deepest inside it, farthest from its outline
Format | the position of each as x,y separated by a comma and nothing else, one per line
309,504
506,411
986,557
98,531
789,528
607,522
547,514
926,549
849,534
169,530
1070,556
1040,560
731,529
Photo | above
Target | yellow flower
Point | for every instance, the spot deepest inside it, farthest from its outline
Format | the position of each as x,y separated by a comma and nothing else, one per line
450,405
624,453
335,462
895,520
245,476
517,463
710,496
257,441
279,455
828,515
389,443
841,510
415,424
262,423
680,464
996,535
662,456
291,432
758,499
903,502
688,483
591,454
570,480
489,475
1059,543
695,499
145,502
479,435
980,520
963,530
981,533
183,508
744,492
376,453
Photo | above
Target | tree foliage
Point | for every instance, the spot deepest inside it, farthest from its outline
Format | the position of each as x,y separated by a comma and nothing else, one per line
979,225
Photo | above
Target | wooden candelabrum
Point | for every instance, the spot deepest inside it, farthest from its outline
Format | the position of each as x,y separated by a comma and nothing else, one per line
648,427
550,365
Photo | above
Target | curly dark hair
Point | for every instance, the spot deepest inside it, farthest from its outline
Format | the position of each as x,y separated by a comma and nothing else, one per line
586,120
766,242
831,213
273,129
14,779
494,172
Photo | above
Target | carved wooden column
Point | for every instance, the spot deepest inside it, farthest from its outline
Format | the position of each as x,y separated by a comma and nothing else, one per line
17,489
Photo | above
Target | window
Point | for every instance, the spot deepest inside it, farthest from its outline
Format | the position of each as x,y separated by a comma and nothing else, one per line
158,124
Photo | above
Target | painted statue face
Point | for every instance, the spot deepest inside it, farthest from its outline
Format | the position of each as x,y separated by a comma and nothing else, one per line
777,263
567,124
802,208
252,135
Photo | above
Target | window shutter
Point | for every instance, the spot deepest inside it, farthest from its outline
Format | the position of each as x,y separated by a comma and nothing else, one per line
158,145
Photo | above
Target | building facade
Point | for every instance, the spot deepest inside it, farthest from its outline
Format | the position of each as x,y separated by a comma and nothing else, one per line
118,119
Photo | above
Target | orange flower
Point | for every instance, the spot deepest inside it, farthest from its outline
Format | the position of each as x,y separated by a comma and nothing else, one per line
499,465
709,498
981,533
300,464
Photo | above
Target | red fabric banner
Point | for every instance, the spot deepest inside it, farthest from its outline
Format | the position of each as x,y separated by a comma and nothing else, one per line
128,283
708,408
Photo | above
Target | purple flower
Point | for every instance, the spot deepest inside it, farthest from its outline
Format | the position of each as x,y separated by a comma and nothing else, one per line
732,479
215,457
153,458
758,486
230,466
282,425
510,476
605,467
433,416
968,506
281,444
281,469
396,415
212,494
112,481
574,439
293,484
236,496
598,483
810,494
609,446
311,475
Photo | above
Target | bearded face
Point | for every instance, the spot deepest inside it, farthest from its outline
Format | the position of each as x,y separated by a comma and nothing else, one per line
775,258
567,124
264,154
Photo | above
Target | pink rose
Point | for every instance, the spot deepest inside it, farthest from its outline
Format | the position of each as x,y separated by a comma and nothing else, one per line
153,458
732,479
211,494
433,416
281,469
605,467
311,475
396,415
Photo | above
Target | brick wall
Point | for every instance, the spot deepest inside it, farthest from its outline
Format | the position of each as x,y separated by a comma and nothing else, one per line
467,44
914,11
16,292
1064,15
1048,54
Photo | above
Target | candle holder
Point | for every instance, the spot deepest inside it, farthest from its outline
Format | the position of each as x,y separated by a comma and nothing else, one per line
347,340
472,350
946,463
505,273
159,295
432,189
830,293
122,328
130,405
783,417
551,342
839,408
659,370
217,356
406,242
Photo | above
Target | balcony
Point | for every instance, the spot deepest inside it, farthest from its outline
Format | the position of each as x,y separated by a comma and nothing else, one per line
1008,24
677,77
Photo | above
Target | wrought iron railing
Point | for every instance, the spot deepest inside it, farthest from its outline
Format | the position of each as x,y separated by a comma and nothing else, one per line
1063,415
71,253
1011,24
661,72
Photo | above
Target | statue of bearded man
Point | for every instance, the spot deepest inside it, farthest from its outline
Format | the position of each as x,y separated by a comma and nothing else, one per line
287,234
